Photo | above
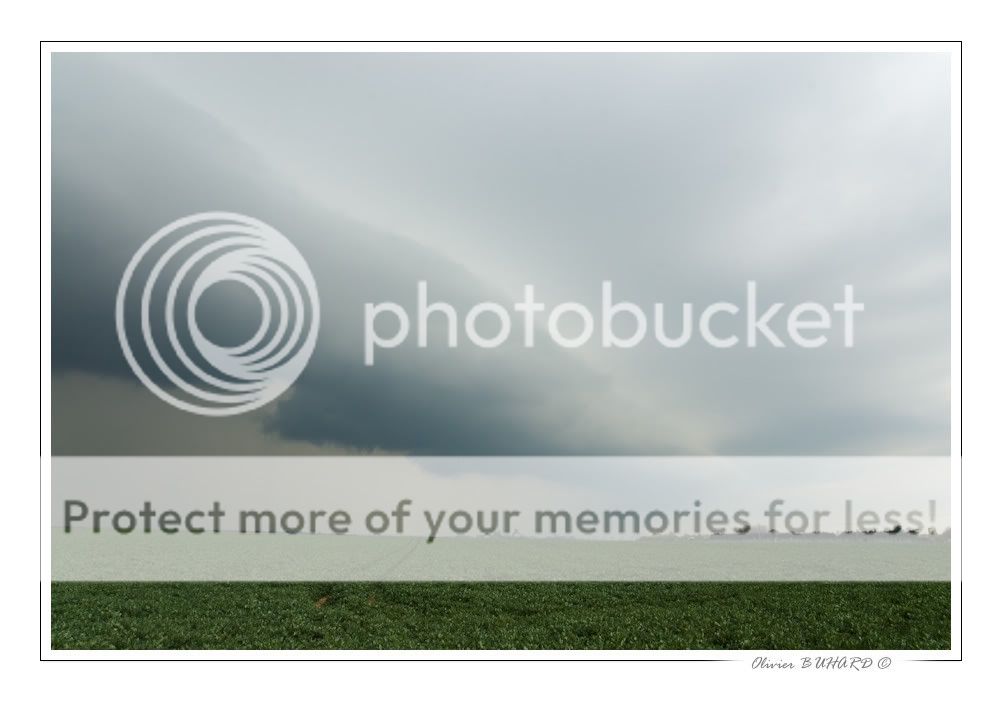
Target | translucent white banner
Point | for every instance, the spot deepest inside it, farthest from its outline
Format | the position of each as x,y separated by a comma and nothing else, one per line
501,518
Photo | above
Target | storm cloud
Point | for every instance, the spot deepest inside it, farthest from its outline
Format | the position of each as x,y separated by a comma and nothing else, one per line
677,176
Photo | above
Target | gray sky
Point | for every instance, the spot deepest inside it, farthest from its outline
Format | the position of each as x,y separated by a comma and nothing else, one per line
677,176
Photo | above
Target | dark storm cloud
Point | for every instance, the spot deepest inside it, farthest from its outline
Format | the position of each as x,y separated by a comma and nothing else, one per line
679,177
129,157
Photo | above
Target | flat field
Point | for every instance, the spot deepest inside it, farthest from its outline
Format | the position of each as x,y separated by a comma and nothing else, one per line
507,615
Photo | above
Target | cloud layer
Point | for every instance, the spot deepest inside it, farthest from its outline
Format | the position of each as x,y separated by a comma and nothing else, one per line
677,176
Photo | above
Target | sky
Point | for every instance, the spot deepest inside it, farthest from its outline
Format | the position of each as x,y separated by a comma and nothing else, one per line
677,176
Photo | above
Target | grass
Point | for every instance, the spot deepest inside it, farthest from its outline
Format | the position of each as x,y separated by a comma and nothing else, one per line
517,615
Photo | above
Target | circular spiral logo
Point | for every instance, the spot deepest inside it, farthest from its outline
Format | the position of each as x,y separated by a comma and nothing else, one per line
178,264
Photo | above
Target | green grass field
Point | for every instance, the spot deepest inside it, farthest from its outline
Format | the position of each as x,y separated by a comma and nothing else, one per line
519,615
